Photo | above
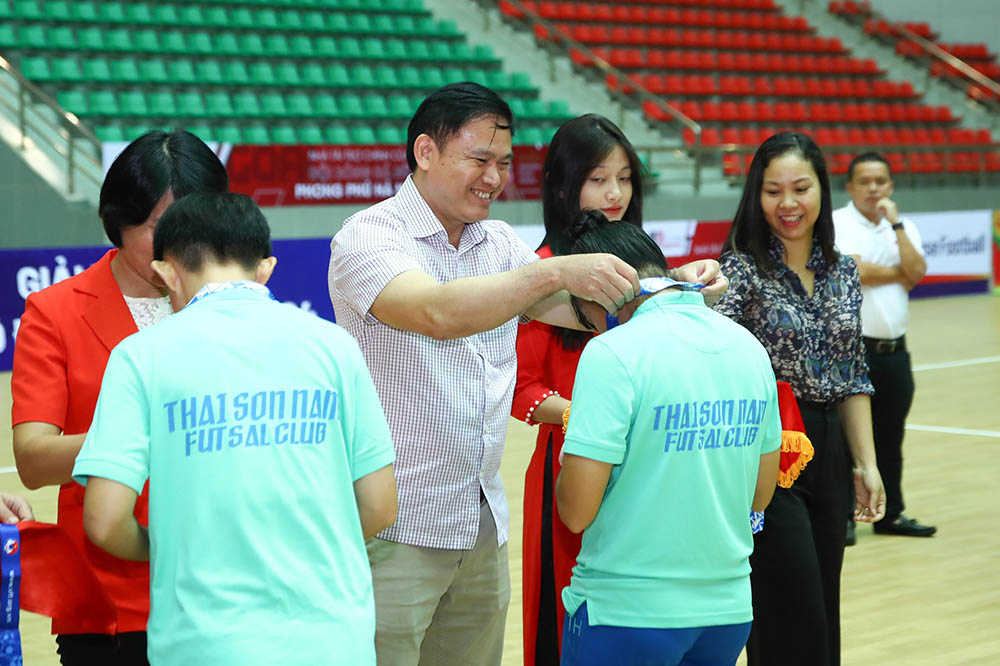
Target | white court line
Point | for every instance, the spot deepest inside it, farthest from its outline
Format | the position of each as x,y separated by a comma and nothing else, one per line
956,364
7,470
954,431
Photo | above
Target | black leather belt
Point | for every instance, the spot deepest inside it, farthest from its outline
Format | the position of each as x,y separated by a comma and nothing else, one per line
879,346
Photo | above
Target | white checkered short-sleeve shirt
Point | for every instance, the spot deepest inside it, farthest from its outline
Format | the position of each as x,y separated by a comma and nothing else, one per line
447,401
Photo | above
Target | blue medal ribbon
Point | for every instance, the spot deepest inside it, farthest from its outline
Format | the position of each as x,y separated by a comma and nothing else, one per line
652,285
213,287
10,607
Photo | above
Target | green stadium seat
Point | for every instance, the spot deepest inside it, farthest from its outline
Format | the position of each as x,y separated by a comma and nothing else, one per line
409,77
85,12
203,132
236,73
276,45
301,46
484,54
536,108
284,134
182,71
55,10
375,106
337,22
90,39
153,70
477,75
74,101
385,77
125,70
241,17
530,136
262,74
462,52
521,82
338,76
173,41
165,14
497,80
217,17
400,107
191,105
66,69
273,104
395,49
350,48
112,12
133,132
9,38
287,74
290,20
209,72
256,135
517,107
118,39
363,135
351,106
299,104
326,47
102,103
139,13
362,76
336,134
246,104
359,24
162,103
313,21
266,19
200,42
419,50
432,77
252,44
373,49
313,75
452,74
227,44
36,68
33,36
133,103
219,104
390,135
191,15
558,110
62,37
442,51
28,10
228,134
406,25
309,135
352,4
96,70
383,24
324,105
5,11
147,40
109,133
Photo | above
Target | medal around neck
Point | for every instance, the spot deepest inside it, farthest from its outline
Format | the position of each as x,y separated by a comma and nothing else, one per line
653,285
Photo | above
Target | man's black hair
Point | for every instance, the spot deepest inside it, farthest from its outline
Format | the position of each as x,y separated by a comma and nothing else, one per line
867,157
213,227
446,110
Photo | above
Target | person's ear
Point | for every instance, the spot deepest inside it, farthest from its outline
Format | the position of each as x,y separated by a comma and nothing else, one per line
168,274
425,151
264,269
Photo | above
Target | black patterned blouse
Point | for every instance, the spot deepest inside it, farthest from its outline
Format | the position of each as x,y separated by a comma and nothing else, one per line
814,342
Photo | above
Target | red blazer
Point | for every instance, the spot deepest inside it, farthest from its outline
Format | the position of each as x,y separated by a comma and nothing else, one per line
63,343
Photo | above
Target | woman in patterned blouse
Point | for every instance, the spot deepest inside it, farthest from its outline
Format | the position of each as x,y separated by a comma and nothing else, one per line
802,300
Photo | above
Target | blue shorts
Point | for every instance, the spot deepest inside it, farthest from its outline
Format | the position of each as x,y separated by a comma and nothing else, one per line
583,645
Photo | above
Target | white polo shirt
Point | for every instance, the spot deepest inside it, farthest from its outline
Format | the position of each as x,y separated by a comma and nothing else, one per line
884,308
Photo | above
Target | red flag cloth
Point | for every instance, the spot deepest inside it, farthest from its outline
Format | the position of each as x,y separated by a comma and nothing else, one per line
57,582
796,449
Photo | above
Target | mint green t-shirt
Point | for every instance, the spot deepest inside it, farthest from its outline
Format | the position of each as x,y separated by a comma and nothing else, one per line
683,402
251,419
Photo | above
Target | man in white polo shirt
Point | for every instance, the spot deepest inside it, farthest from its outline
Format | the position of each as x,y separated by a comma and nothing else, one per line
890,259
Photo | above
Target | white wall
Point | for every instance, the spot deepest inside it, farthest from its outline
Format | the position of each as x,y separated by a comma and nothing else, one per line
965,21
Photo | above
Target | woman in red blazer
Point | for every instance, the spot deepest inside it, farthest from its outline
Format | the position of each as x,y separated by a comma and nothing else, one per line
65,337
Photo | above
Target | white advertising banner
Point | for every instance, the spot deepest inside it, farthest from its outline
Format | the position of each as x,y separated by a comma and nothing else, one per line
956,243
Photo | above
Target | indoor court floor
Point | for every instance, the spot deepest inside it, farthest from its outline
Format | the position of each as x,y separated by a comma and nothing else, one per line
906,601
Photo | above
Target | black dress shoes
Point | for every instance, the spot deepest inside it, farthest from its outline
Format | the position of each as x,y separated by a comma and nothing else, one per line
852,536
904,526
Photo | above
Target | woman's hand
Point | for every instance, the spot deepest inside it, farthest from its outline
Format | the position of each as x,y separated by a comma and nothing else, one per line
869,493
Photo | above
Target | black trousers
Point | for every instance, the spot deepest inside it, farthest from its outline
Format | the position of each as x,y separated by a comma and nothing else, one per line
892,378
125,649
798,557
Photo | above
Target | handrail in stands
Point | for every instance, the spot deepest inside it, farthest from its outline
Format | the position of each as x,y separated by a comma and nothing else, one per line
608,69
74,129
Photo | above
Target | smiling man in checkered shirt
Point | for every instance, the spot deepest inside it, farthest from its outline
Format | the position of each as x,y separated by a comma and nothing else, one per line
433,292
